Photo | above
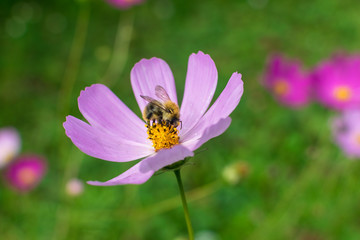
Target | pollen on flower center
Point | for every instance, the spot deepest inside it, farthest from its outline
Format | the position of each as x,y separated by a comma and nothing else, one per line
342,93
162,135
281,87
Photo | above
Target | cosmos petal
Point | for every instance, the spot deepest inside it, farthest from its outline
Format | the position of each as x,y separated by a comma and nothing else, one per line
222,108
274,64
9,145
105,111
340,71
287,81
143,170
209,133
103,145
346,132
201,81
146,75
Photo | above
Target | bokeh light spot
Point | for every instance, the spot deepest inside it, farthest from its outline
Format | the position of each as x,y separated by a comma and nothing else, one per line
15,27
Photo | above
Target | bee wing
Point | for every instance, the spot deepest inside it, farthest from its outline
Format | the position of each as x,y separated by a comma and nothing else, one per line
147,98
161,93
153,101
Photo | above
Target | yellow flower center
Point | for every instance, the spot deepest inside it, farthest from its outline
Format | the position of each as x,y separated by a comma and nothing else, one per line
27,176
281,87
342,93
162,135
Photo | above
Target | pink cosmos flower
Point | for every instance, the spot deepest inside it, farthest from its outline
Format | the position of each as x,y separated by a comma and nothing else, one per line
124,4
287,81
115,133
25,172
337,82
9,145
346,131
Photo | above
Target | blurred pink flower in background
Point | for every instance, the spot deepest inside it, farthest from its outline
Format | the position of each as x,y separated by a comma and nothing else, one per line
346,131
25,172
287,81
9,145
337,82
74,187
115,133
124,4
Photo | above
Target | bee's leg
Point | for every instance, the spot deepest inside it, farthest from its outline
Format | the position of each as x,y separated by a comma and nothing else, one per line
161,121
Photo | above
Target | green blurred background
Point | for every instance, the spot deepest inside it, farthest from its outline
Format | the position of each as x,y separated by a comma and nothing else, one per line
298,183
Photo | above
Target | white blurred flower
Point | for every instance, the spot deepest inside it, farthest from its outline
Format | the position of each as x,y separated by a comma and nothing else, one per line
206,235
180,238
234,172
9,145
74,187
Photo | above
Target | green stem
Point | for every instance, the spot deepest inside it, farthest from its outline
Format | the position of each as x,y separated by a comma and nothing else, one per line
75,55
62,214
121,49
183,199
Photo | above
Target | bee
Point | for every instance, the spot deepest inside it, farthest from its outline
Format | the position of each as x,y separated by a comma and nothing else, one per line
161,111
